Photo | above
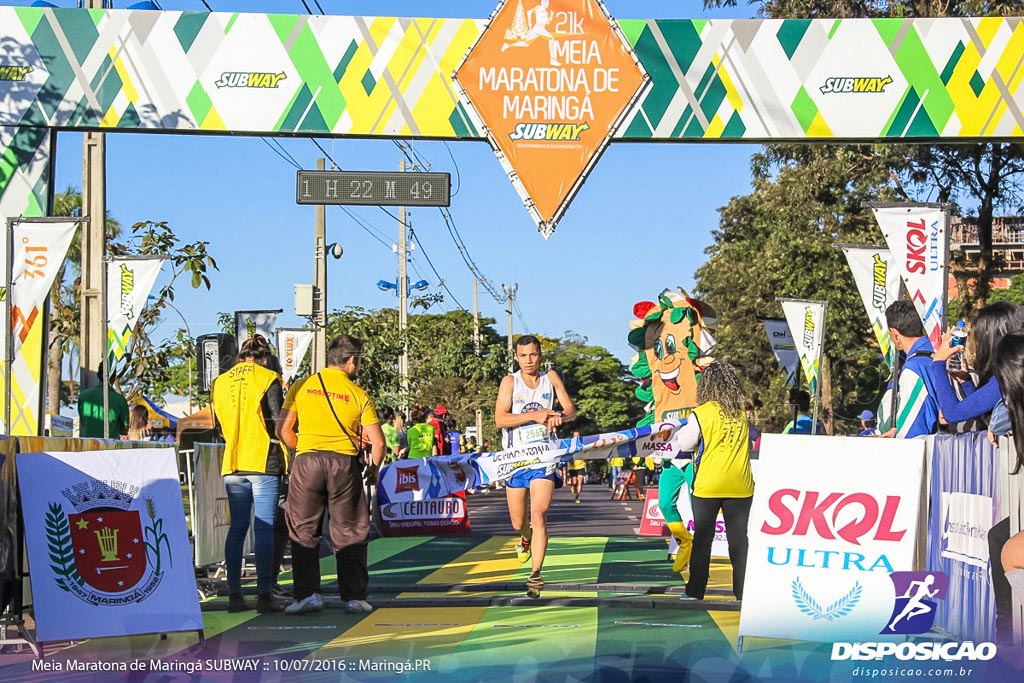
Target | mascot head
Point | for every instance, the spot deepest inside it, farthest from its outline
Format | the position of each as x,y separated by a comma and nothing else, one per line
672,341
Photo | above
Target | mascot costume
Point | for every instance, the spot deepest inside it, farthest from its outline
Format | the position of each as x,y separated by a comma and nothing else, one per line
672,342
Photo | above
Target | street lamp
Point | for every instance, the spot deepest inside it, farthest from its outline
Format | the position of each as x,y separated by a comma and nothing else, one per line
190,351
385,285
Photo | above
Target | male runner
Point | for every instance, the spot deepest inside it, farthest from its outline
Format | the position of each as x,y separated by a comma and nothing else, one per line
524,412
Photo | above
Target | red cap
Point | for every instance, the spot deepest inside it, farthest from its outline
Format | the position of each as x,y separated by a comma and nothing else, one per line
440,410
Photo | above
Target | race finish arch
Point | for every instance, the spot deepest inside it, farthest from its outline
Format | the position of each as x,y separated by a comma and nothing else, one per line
548,84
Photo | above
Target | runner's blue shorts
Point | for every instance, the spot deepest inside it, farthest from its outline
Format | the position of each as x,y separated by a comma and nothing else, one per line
521,478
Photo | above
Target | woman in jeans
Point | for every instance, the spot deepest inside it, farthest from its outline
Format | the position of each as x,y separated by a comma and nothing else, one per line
246,401
718,433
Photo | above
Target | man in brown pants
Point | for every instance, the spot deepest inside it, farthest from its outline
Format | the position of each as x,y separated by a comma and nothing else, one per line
335,417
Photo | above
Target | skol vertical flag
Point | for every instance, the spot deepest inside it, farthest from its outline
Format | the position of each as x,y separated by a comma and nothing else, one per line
878,282
291,349
129,282
249,323
781,341
40,246
807,323
917,235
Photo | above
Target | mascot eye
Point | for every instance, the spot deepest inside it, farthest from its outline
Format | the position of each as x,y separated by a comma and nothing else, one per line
659,353
670,345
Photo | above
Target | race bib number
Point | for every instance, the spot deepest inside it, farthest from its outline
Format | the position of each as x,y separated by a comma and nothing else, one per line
531,433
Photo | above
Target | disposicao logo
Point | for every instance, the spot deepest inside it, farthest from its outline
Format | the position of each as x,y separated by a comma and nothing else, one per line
917,594
567,132
855,84
249,79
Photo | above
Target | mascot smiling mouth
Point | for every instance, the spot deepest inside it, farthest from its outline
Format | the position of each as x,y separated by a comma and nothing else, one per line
670,380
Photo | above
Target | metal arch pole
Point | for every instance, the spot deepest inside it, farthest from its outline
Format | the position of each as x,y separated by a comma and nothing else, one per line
821,369
104,349
9,338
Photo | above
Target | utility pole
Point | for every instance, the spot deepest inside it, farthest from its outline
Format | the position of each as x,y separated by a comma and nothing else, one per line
319,359
94,204
476,349
510,295
403,301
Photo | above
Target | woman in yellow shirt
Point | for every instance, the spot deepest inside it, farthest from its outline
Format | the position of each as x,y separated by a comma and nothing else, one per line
717,432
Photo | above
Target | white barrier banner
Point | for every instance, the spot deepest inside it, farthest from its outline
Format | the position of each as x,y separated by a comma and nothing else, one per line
827,531
807,324
129,282
784,348
918,236
107,544
878,281
292,346
440,476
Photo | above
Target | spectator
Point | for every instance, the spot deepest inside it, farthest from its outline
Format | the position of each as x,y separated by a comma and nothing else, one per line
755,433
724,481
453,437
246,403
917,412
434,419
867,428
138,423
803,423
90,410
387,416
334,418
421,434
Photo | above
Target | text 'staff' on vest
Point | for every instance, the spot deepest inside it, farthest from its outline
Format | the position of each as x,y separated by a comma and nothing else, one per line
550,80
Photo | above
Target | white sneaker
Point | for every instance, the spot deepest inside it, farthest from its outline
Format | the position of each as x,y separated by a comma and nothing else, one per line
308,605
358,606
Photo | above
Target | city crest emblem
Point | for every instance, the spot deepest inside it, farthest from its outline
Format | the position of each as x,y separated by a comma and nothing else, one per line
103,553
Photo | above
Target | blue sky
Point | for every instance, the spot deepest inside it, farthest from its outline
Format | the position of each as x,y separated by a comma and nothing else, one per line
640,223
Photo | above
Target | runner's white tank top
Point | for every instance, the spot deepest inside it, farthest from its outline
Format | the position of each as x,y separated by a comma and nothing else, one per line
526,400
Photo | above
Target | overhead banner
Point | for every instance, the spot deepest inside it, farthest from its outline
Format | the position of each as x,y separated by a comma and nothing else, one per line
781,341
918,237
129,282
806,321
549,81
39,248
878,281
832,543
292,346
107,544
440,476
249,323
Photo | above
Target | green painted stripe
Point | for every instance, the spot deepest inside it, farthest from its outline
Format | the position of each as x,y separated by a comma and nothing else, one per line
632,28
641,560
954,59
187,27
790,33
29,17
442,550
916,64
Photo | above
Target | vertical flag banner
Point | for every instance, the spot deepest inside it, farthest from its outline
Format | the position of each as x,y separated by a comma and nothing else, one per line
918,237
807,324
39,250
781,341
107,544
878,281
249,323
292,346
129,282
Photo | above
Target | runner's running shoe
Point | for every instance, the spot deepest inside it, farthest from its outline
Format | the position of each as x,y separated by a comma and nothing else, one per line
523,550
534,585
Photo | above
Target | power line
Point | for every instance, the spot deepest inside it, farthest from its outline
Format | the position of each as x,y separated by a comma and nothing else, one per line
206,5
440,280
317,3
519,314
455,164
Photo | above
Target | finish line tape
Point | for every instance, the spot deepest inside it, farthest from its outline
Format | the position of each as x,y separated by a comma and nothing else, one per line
652,623
535,625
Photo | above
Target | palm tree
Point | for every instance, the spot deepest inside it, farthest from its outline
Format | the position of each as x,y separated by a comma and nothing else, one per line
65,318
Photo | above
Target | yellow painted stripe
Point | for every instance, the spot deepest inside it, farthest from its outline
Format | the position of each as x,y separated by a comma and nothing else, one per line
126,82
987,29
111,117
397,631
494,560
731,93
715,127
819,128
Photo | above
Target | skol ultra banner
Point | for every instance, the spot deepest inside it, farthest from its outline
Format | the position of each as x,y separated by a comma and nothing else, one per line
40,246
917,236
781,341
831,541
550,81
129,282
878,282
107,544
807,325
292,346
249,323
441,476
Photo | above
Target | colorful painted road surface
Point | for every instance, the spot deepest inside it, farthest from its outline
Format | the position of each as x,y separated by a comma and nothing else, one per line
454,609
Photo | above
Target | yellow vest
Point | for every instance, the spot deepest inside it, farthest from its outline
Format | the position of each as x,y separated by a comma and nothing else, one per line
724,470
236,401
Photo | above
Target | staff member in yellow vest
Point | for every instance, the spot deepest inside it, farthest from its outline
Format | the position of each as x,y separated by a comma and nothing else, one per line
246,402
421,435
334,418
717,433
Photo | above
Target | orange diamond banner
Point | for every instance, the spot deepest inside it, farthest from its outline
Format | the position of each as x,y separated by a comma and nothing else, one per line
550,81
